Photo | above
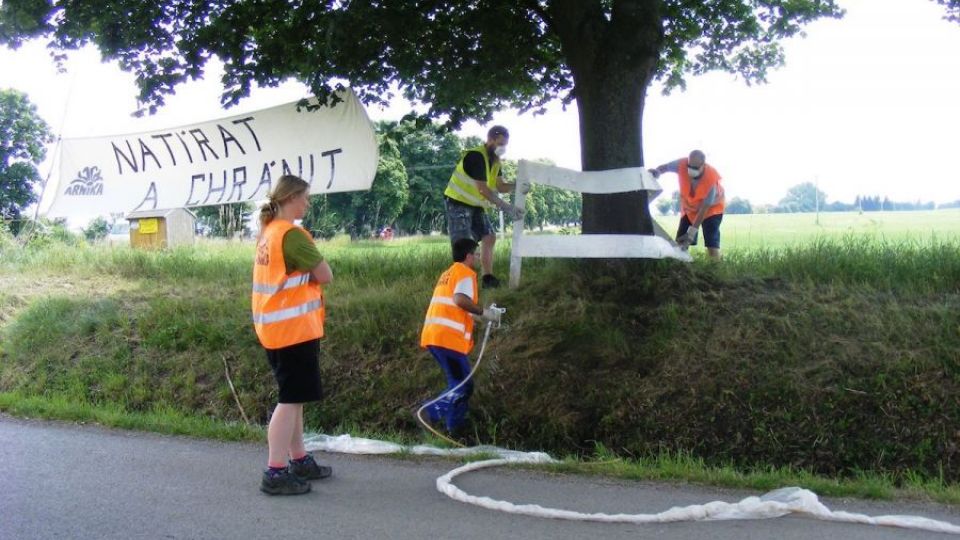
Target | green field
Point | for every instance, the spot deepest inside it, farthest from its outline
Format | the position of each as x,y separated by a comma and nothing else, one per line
748,231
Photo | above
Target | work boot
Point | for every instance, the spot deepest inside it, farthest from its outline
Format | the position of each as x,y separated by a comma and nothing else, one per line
490,281
432,414
307,468
283,483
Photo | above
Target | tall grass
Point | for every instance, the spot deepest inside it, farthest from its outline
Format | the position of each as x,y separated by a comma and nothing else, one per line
913,265
224,261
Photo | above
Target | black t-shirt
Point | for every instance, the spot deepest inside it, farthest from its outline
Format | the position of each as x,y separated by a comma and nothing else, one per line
474,166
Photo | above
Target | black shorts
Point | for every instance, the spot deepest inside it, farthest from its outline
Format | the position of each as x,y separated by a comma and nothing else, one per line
710,229
297,371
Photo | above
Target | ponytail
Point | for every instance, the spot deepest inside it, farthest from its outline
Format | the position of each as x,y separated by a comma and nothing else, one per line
287,186
268,212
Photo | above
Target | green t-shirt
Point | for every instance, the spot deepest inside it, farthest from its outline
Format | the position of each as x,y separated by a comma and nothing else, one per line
299,252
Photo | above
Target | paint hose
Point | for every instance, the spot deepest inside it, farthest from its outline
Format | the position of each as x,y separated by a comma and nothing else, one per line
476,365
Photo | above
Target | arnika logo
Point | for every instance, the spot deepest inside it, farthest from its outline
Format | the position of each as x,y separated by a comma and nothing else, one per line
88,182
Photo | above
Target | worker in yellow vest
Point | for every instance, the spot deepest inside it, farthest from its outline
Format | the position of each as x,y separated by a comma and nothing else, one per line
473,187
702,201
448,331
288,313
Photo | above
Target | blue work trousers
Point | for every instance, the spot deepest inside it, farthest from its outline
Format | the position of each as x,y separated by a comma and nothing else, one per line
452,408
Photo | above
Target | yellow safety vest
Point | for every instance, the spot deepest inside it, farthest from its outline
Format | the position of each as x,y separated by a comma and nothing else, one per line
463,188
287,308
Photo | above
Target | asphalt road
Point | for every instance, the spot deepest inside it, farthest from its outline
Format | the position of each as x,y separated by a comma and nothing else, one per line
75,481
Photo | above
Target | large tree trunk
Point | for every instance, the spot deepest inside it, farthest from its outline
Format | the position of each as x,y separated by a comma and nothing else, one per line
612,61
610,135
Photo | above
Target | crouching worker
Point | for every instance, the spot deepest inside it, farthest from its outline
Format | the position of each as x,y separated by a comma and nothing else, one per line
288,312
448,332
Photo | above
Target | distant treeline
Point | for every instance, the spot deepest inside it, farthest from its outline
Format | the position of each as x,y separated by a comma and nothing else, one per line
862,203
807,198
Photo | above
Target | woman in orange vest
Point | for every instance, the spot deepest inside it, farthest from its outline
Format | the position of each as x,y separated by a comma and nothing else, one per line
288,313
701,201
448,331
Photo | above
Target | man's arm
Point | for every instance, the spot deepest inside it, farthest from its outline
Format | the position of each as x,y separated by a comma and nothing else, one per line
475,167
673,166
701,212
465,303
494,199
463,294
504,186
707,203
479,314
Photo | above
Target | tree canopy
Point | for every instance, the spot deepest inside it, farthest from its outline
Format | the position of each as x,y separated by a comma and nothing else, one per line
97,229
504,53
463,60
23,136
429,154
805,197
362,213
953,9
225,220
737,205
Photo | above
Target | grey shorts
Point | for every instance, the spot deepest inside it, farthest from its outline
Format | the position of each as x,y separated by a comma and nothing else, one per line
465,221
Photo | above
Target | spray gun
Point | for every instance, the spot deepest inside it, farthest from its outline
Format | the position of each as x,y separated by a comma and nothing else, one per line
499,311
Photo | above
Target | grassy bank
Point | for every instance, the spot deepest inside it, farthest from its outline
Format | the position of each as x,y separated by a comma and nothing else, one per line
838,357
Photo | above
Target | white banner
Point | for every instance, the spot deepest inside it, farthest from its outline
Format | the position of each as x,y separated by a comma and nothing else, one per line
231,160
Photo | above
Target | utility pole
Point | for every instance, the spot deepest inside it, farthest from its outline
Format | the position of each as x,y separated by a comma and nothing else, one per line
816,195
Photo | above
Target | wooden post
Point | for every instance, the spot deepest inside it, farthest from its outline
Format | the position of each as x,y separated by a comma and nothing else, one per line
519,199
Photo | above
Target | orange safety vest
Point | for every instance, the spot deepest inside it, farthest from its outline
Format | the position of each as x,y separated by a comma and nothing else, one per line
287,308
446,324
690,202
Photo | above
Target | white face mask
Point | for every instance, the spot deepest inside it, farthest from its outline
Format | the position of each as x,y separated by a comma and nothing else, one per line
695,173
500,151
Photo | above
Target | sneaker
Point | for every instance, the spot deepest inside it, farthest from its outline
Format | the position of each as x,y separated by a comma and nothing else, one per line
283,483
308,469
490,281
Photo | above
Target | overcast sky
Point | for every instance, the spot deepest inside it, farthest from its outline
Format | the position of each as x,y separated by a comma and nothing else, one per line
865,105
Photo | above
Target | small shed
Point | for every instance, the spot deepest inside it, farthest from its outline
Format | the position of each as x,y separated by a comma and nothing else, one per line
158,229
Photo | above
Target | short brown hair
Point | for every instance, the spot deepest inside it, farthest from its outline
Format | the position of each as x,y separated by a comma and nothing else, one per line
497,131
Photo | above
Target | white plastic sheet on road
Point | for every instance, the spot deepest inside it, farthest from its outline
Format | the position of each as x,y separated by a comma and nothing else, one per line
777,503
346,444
